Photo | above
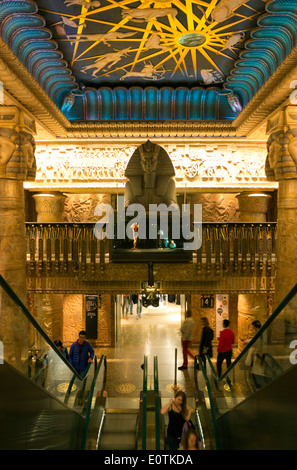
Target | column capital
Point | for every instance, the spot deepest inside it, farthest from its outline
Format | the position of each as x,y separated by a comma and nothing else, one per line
17,145
281,162
49,206
253,207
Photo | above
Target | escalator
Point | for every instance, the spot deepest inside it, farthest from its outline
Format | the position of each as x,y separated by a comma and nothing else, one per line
252,406
45,404
124,428
161,421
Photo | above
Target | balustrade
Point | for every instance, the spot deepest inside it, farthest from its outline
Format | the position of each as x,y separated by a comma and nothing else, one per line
243,248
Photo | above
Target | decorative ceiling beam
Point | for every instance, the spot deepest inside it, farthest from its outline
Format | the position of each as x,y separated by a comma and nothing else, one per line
20,84
271,95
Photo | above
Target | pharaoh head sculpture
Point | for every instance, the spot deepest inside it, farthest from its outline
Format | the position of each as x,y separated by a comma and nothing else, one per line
150,174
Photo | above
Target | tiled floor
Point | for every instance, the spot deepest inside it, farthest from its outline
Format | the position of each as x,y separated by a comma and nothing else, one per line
157,333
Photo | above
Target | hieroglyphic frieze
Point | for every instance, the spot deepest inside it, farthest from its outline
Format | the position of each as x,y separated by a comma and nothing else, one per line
192,163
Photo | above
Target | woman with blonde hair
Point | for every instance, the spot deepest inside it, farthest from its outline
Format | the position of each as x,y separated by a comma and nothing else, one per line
178,413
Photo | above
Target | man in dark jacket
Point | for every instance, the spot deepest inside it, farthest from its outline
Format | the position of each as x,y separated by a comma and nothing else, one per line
81,353
206,341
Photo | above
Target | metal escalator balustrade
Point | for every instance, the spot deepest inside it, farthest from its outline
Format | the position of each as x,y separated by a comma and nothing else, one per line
27,341
28,354
95,407
266,360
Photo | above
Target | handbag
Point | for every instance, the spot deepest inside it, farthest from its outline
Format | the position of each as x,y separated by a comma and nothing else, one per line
187,425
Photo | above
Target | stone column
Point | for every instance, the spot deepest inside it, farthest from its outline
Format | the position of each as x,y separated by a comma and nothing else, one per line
17,164
281,166
250,307
48,308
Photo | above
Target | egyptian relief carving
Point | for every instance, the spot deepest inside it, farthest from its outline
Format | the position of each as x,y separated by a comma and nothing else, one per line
292,144
193,163
281,160
7,147
17,159
81,207
218,207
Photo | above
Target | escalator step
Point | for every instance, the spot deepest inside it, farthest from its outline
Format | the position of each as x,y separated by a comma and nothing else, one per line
118,441
120,423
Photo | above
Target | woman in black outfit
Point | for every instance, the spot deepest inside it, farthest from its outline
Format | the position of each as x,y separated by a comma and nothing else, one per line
205,341
178,413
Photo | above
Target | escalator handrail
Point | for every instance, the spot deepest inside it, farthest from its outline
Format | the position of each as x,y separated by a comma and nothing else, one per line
263,328
274,362
211,402
90,399
144,405
157,404
72,382
36,325
200,428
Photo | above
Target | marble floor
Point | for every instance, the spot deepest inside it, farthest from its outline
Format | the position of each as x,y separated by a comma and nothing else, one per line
156,333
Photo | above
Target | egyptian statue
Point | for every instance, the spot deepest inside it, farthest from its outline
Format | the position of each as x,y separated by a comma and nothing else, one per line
150,175
17,159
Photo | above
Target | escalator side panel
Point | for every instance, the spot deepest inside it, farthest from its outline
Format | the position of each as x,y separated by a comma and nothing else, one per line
31,419
265,421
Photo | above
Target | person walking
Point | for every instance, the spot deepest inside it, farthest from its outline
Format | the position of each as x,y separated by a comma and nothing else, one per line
226,340
178,413
125,306
81,353
139,306
207,335
187,335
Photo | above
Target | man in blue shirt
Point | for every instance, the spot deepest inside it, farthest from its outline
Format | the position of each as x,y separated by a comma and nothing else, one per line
81,353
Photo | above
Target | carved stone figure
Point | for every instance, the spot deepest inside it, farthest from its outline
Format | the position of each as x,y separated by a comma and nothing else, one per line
17,155
150,173
7,148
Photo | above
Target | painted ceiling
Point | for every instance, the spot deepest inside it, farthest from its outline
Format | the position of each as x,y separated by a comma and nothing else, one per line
123,60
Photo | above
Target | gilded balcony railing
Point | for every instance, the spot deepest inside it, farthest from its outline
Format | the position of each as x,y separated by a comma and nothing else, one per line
64,247
243,248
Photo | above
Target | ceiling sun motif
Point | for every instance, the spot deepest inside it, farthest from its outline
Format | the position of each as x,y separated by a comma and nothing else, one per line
145,60
182,42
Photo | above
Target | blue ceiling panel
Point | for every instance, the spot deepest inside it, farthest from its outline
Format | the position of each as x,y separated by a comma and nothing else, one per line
196,60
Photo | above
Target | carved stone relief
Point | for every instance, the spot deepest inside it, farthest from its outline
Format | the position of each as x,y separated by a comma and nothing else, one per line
74,319
192,163
81,207
48,310
17,155
217,207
